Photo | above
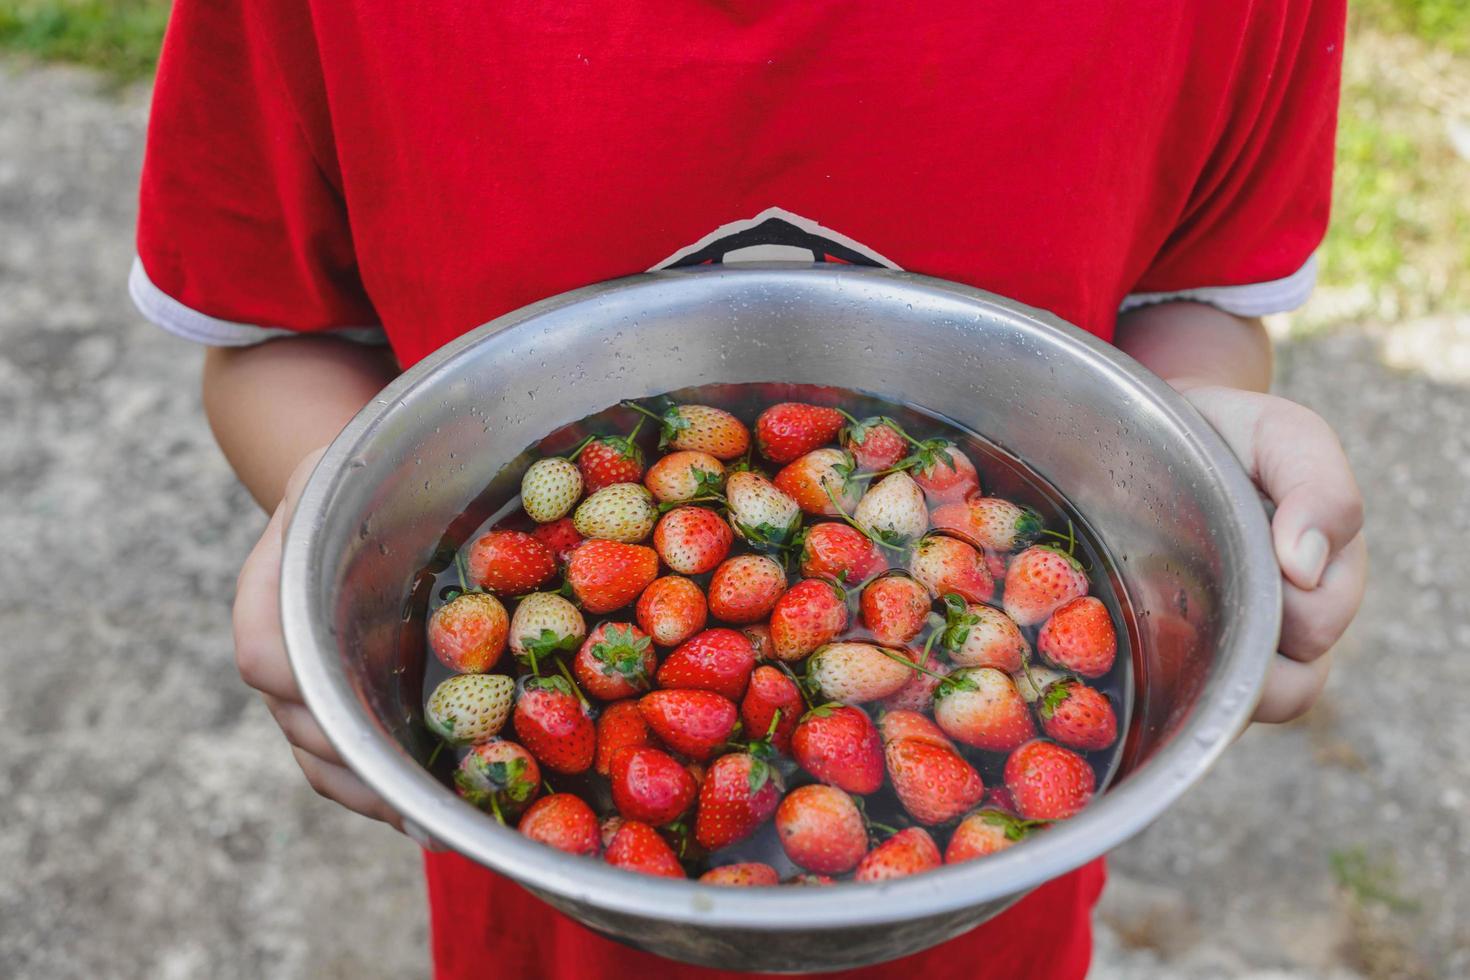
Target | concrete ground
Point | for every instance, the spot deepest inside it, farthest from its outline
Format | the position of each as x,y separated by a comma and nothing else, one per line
152,823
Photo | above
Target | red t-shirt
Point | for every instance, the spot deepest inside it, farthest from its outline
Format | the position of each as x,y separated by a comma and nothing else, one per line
418,169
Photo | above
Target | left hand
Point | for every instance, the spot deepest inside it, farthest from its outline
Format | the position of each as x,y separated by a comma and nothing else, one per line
1296,460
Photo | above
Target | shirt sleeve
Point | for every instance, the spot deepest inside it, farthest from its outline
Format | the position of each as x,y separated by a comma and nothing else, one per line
243,234
1246,239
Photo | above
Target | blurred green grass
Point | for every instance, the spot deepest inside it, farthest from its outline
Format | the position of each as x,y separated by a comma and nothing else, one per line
1399,244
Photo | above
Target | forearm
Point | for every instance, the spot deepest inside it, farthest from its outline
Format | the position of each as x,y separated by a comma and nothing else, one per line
271,404
1191,344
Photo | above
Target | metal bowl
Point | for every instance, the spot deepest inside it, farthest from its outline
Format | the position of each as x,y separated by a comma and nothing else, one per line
1171,505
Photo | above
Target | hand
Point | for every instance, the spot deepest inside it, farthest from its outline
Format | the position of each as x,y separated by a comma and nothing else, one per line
1296,460
260,654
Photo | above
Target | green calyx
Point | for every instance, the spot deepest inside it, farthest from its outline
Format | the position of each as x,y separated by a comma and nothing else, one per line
548,643
1054,697
621,653
1015,828
957,622
707,484
759,774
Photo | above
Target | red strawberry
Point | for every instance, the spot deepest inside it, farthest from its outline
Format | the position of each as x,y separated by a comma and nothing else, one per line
745,588
509,562
984,832
468,632
1048,782
807,481
933,783
650,786
875,443
893,510
694,723
810,613
983,636
999,798
615,661
620,726
554,726
1079,636
840,746
638,847
991,523
901,724
759,635
943,472
610,459
853,673
739,793
791,429
560,537
718,660
1040,580
563,821
499,776
771,691
607,575
1078,716
748,874
821,829
948,565
760,512
671,610
678,477
700,428
692,540
894,609
908,852
981,707
840,552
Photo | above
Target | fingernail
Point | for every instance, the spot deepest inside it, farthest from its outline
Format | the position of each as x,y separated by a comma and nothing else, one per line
1311,555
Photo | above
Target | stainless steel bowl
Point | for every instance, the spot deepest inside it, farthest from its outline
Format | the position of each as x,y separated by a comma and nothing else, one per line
1172,506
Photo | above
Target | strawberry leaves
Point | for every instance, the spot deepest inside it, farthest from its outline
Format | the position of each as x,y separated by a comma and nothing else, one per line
621,653
957,622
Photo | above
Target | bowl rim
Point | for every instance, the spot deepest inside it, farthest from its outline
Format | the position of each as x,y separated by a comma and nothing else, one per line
432,810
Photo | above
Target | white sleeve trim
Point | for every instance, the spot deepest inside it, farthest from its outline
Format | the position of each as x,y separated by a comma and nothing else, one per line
165,311
1252,299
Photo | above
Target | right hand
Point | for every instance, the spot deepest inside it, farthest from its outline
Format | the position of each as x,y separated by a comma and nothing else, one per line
260,655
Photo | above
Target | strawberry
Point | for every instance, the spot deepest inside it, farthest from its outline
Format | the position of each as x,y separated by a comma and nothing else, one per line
1079,636
983,636
620,725
693,723
893,510
469,708
1078,716
821,829
894,609
700,428
1031,681
692,540
791,429
544,625
934,784
549,488
853,673
908,852
839,746
999,798
1048,782
607,575
805,880
943,472
608,828
981,707
1040,580
771,691
946,565
906,725
554,725
995,564
622,512
810,613
468,633
499,776
760,513
616,661
671,610
650,786
991,523
560,537
718,660
678,477
739,793
748,874
875,443
605,460
636,846
809,479
759,635
841,553
509,562
745,588
984,832
563,821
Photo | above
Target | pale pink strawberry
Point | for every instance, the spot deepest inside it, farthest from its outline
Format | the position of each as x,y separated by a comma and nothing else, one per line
683,476
893,510
468,633
982,636
1039,581
817,479
692,540
810,613
759,512
949,566
979,706
854,673
944,472
704,429
991,523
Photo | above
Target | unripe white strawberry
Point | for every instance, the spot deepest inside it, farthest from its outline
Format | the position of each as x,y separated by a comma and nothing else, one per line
854,673
549,489
543,625
894,510
759,512
468,709
622,512
1031,681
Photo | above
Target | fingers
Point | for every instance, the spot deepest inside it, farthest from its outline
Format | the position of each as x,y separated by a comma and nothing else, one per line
341,786
301,729
1291,688
260,651
1313,621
